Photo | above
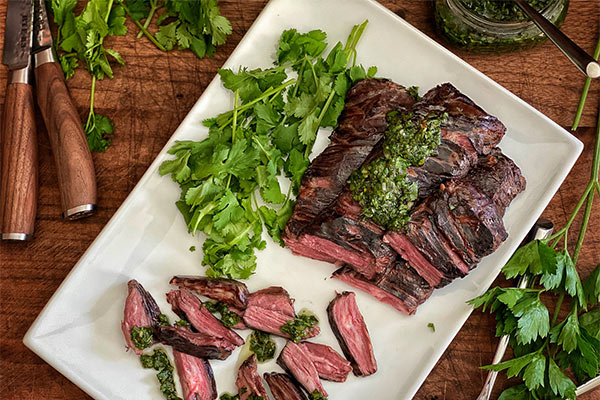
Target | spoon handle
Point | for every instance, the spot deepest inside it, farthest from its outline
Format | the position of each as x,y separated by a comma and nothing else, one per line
582,60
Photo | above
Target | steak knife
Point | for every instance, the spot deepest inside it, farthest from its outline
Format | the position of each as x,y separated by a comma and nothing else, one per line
18,190
74,165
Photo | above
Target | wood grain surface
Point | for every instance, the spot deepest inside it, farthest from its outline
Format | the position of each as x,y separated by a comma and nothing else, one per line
149,97
72,158
18,202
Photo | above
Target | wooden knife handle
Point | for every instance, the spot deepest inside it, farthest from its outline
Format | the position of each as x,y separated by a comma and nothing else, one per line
74,165
18,194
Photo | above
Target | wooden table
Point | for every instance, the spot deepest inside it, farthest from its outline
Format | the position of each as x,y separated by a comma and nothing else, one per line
147,100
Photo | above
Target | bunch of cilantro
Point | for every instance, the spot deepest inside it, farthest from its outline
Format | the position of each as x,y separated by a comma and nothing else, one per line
550,353
230,186
195,25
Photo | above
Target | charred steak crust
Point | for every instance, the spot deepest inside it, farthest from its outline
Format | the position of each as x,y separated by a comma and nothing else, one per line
283,387
228,291
198,345
360,127
348,326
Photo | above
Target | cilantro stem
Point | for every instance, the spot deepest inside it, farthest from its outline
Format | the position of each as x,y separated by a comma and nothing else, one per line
584,93
91,113
235,113
557,308
144,30
153,7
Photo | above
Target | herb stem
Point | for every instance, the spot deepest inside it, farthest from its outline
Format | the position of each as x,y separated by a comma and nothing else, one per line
92,95
144,30
584,92
557,308
235,113
153,8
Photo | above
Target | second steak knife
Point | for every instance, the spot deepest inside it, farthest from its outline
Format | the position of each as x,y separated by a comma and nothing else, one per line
74,165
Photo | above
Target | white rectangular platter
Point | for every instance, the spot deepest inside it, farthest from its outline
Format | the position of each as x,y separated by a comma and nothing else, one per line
79,333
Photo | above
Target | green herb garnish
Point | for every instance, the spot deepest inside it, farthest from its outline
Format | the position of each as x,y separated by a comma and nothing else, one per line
142,336
502,10
163,320
252,396
228,318
544,346
192,248
262,346
300,327
159,361
316,395
182,322
270,131
431,326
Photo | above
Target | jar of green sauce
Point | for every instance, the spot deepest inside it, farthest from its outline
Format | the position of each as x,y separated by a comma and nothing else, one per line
492,26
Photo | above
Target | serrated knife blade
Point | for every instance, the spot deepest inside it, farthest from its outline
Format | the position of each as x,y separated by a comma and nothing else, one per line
19,34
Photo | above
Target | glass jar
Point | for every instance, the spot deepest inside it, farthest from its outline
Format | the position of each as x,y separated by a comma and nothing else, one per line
472,31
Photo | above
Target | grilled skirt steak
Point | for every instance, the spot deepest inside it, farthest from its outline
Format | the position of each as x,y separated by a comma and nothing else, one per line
273,298
196,377
248,381
228,291
360,127
351,332
140,311
187,306
330,365
195,344
298,363
283,387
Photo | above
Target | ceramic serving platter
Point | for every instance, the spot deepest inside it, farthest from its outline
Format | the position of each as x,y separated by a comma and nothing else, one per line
78,332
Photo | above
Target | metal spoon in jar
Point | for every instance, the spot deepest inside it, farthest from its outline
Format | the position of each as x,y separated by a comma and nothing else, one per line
582,60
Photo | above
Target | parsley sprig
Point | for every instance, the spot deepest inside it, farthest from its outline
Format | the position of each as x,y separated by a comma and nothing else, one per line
549,350
269,132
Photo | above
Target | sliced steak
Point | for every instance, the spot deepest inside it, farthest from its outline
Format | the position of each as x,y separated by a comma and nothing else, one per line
283,387
298,363
195,344
273,298
196,377
330,365
360,127
187,306
499,178
351,332
271,321
140,311
465,118
228,291
248,381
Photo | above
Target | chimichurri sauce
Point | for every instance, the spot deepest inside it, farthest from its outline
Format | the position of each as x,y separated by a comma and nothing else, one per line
497,10
382,187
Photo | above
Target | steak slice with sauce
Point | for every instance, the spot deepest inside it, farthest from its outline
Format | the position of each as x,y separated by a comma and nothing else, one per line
330,365
283,387
196,377
352,334
248,381
228,291
140,311
273,298
360,127
298,363
187,306
195,344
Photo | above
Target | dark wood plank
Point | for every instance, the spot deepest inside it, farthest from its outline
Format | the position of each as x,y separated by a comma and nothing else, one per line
147,100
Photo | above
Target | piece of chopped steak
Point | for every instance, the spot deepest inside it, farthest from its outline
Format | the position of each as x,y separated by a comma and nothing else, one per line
273,298
196,377
194,343
140,311
283,387
228,291
360,127
330,365
298,363
187,306
248,381
350,329
271,321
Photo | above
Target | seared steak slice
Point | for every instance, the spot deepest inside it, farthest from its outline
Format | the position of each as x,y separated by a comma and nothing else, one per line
499,178
360,127
187,306
195,344
413,256
464,117
273,298
140,311
196,377
351,332
271,321
248,381
298,363
330,365
283,387
228,291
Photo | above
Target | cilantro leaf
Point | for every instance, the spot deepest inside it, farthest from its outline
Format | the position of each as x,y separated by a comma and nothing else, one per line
591,287
560,384
519,392
533,374
97,130
590,321
526,258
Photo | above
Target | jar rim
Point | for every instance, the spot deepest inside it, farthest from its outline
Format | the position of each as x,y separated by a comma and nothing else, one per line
515,26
